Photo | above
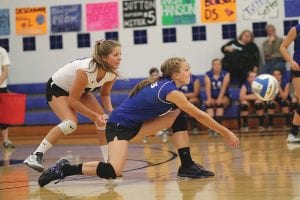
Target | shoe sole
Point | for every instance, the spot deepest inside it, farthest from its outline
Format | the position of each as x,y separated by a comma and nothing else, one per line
194,177
36,168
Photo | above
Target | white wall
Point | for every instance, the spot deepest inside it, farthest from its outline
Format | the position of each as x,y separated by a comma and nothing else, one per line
39,65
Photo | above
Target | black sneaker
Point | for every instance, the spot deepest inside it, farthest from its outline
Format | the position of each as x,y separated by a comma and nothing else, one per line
194,171
53,173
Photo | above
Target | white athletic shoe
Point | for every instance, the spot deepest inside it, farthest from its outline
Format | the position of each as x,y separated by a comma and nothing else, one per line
291,138
111,183
34,161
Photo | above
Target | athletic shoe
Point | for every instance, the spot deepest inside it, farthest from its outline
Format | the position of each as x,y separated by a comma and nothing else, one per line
269,128
34,161
245,129
53,173
7,144
164,138
261,129
291,138
145,140
194,171
111,183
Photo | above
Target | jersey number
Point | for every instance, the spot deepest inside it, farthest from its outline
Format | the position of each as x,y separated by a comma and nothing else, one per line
153,85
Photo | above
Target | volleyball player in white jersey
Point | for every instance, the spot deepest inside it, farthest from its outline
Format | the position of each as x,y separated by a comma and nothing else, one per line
68,91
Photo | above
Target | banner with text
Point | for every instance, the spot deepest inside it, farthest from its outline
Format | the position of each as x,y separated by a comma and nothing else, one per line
259,10
4,22
31,21
66,18
102,16
139,13
292,8
218,11
178,12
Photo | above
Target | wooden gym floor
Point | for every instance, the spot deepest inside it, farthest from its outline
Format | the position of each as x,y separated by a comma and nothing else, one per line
264,167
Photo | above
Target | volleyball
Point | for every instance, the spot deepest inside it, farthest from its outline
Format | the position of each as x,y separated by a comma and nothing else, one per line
265,87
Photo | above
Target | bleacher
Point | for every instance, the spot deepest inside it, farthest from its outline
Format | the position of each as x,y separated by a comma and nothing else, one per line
38,112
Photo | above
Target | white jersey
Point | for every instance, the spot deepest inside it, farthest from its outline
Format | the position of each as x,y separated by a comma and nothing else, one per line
4,60
65,76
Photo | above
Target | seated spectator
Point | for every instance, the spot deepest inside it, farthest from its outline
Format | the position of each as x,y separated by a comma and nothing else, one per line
250,103
240,56
272,55
192,93
154,73
281,102
217,92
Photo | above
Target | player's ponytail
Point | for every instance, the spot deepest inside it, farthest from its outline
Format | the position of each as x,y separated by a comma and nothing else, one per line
102,49
168,68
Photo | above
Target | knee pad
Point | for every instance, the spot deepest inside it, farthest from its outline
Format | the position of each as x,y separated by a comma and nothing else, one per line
298,108
180,123
271,105
67,126
283,103
258,106
294,106
106,170
244,107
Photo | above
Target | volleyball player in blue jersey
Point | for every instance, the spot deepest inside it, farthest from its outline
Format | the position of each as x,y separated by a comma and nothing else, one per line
281,102
153,104
294,62
249,102
216,89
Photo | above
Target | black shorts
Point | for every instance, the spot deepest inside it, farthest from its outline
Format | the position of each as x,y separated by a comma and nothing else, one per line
54,90
295,74
113,130
3,126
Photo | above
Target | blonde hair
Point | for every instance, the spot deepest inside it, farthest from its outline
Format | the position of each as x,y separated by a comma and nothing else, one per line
246,31
102,49
168,68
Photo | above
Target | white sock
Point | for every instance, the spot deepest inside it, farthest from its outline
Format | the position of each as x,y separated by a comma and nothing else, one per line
104,150
44,146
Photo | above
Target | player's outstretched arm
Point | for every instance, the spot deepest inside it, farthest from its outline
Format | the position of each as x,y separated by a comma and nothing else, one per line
183,104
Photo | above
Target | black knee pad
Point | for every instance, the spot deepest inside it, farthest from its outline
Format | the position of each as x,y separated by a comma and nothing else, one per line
180,123
244,107
283,103
259,106
106,170
294,106
271,105
298,108
220,106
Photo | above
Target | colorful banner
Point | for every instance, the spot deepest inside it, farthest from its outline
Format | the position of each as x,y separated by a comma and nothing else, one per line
66,18
139,13
31,21
259,10
4,22
292,8
178,12
102,16
218,11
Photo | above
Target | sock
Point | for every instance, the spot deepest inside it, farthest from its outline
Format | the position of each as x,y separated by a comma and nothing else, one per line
270,120
219,119
44,146
245,121
104,150
261,120
69,170
185,157
287,119
294,129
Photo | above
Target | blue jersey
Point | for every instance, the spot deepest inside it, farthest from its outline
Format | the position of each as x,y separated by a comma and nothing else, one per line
248,87
297,45
190,87
149,103
216,84
282,86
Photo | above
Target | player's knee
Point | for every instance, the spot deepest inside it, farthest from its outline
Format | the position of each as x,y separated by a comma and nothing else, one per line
106,170
67,126
271,105
220,106
258,106
180,123
99,128
283,103
244,107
